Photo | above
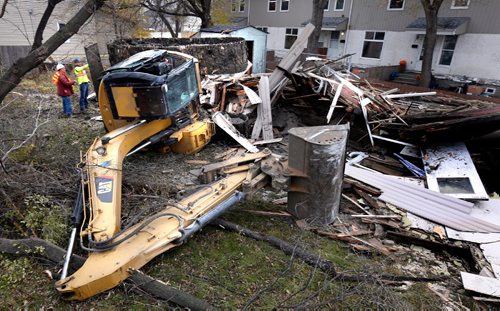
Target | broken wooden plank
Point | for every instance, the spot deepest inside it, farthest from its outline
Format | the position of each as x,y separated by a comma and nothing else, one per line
371,202
257,127
377,216
334,102
290,59
225,153
269,141
252,96
406,95
196,162
236,169
251,187
267,118
225,125
356,204
366,188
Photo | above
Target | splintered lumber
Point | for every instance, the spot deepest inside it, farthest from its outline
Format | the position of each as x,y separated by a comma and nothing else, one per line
364,187
44,249
290,59
267,119
315,261
269,141
225,125
367,198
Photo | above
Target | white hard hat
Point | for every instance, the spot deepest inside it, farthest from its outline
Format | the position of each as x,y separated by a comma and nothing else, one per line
59,66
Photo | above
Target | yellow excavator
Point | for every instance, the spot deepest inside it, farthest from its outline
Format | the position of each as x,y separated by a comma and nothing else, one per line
149,99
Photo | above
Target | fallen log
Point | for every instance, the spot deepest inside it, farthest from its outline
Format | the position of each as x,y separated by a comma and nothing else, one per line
47,250
316,261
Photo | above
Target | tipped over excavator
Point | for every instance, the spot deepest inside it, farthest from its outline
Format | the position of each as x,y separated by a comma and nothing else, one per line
148,100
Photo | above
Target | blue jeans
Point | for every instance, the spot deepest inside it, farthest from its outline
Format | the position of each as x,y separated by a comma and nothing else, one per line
67,108
84,92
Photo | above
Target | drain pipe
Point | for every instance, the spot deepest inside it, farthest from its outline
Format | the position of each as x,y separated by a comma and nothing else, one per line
207,218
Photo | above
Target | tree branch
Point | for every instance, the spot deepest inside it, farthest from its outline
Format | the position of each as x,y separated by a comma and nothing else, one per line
316,261
4,5
43,23
14,74
29,247
37,126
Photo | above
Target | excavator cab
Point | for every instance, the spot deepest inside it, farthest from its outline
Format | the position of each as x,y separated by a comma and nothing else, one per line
153,84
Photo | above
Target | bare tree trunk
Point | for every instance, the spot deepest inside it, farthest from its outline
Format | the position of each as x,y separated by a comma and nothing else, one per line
431,9
317,21
23,65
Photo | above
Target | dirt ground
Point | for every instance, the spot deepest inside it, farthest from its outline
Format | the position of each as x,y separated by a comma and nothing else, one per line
230,271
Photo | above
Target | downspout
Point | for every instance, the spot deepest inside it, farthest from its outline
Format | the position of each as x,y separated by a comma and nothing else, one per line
348,28
248,14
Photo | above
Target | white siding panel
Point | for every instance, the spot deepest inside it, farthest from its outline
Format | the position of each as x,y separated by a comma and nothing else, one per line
476,55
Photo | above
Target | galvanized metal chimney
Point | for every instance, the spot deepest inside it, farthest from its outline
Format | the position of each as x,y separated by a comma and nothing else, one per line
316,164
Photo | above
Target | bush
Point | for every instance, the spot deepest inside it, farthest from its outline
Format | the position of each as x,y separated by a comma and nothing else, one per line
45,219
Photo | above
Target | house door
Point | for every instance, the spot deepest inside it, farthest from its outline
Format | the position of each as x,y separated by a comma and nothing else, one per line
250,51
419,53
334,49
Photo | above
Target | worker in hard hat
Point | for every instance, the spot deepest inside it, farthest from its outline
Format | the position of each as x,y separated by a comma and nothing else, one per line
64,88
83,81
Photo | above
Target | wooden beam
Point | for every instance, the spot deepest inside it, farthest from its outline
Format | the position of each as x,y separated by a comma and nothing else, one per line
267,118
290,59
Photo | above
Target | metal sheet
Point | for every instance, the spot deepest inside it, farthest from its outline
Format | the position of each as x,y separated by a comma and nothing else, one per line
434,206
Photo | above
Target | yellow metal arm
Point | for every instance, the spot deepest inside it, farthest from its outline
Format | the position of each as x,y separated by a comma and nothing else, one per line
151,237
104,169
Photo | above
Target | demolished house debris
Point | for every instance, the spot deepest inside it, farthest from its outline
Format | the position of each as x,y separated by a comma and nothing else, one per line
425,131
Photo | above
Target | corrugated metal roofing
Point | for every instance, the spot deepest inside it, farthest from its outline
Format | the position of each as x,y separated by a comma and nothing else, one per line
434,206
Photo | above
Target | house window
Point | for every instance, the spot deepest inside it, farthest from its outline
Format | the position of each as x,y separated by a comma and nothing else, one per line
60,26
237,5
284,5
271,5
448,50
396,4
372,46
460,4
290,37
262,28
327,5
339,5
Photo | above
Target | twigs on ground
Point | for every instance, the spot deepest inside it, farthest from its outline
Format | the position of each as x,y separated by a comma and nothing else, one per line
37,125
256,295
316,261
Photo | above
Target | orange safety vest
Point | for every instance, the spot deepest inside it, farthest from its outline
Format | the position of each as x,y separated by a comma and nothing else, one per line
55,77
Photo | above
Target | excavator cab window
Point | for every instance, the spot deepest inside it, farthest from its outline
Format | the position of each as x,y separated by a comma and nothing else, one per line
151,84
181,87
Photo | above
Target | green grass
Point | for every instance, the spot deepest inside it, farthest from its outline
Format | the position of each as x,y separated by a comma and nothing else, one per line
224,268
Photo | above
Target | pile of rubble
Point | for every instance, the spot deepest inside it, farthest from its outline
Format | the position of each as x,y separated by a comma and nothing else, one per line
423,189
